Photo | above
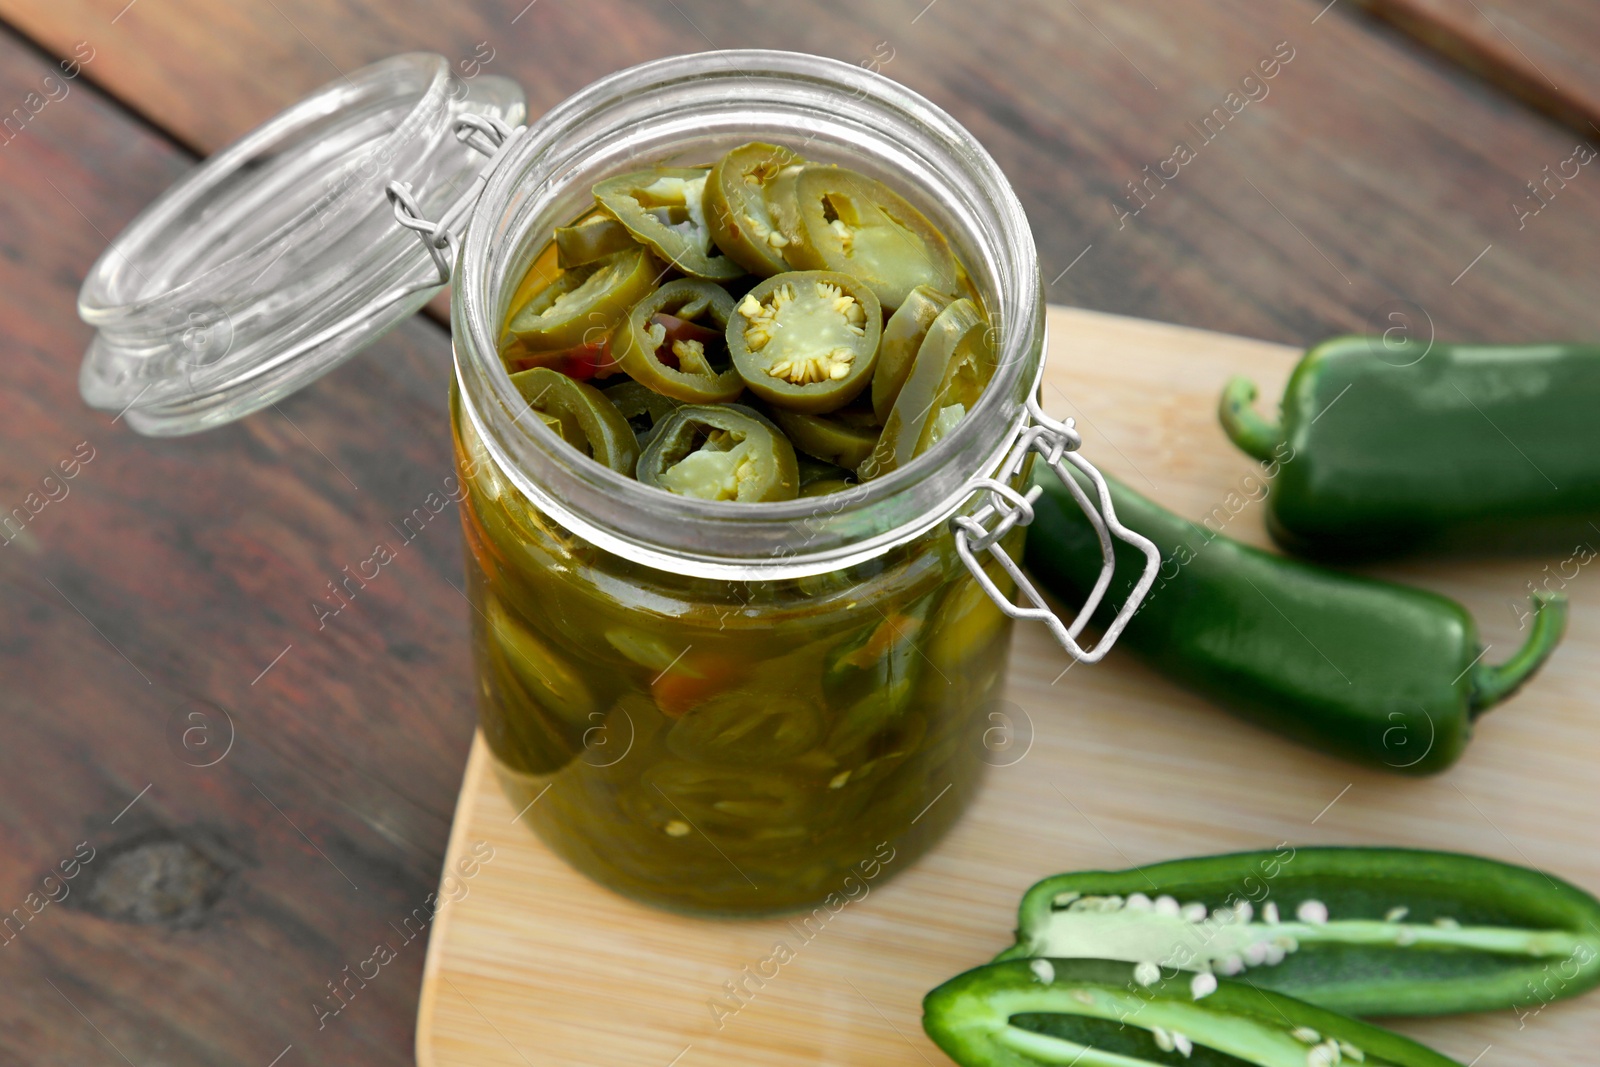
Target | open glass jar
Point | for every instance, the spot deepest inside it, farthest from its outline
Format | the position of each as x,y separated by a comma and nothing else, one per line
712,706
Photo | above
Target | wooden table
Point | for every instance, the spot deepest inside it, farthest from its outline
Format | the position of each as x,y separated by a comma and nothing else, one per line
264,799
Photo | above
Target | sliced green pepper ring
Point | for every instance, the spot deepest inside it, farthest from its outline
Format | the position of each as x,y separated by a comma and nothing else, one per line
665,209
592,239
952,366
726,452
836,219
902,336
587,420
644,408
736,207
663,348
741,728
583,304
731,804
827,437
807,340
543,674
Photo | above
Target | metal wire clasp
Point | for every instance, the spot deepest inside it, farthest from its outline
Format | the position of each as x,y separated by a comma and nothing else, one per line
487,135
1057,442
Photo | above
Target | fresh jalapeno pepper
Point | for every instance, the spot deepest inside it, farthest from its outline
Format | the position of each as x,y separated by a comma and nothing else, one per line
827,437
1369,931
1097,1013
582,305
736,207
1382,674
587,420
664,208
592,239
644,408
836,219
1387,447
953,364
903,335
662,346
727,452
806,340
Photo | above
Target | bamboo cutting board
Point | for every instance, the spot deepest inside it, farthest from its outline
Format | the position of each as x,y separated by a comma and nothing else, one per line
530,963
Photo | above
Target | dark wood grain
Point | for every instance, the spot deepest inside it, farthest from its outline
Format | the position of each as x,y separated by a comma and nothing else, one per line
176,571
1541,51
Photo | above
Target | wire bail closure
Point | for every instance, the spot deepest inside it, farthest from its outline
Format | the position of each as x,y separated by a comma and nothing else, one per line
1057,442
489,136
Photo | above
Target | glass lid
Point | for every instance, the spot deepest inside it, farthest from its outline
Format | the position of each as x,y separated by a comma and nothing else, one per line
281,256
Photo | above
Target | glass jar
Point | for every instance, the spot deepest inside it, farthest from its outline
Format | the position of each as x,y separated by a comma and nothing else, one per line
718,706
710,706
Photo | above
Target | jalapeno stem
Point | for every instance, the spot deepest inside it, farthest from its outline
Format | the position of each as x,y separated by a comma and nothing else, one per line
1243,424
1493,683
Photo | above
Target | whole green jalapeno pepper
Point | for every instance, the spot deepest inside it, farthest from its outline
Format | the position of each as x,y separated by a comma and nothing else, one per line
1394,446
1368,931
1382,674
1096,1013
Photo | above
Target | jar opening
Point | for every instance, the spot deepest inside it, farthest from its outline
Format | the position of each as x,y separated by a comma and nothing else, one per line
687,110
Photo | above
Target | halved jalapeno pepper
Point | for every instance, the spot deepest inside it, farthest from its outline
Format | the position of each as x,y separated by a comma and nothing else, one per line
903,334
952,366
583,304
807,340
585,419
664,348
736,207
665,209
592,239
836,219
644,408
726,452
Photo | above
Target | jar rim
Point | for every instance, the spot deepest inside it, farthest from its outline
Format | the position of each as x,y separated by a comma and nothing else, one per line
727,539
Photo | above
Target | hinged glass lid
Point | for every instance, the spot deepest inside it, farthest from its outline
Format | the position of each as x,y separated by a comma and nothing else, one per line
281,256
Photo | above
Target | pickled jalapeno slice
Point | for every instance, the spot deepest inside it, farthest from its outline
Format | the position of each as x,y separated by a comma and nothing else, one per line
592,239
806,340
744,727
583,304
583,416
837,441
836,219
557,687
902,337
952,366
665,209
644,408
723,802
736,207
674,341
726,452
